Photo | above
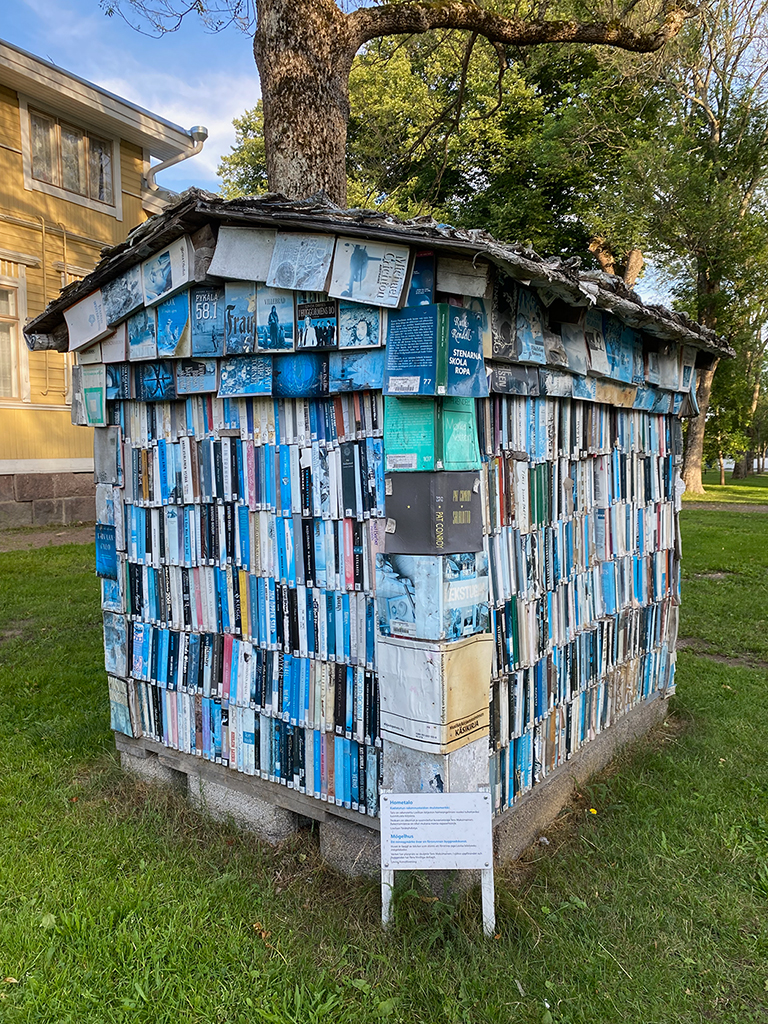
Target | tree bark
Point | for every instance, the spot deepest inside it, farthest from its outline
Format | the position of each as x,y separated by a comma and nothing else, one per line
304,51
694,444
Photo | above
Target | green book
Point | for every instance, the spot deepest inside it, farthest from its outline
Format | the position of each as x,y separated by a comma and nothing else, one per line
427,434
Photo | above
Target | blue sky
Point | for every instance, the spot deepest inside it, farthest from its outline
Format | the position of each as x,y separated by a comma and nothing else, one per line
189,77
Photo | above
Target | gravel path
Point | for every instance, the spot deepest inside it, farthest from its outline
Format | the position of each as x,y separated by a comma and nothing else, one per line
45,537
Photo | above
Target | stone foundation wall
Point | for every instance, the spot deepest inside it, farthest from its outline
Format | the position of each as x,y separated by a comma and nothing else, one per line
46,499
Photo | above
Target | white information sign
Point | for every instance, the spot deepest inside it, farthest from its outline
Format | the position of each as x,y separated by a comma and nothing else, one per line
434,832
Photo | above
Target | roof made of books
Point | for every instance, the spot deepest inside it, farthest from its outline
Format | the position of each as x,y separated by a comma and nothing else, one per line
199,212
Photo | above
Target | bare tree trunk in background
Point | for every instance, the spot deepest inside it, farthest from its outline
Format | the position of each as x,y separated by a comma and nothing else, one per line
694,442
633,267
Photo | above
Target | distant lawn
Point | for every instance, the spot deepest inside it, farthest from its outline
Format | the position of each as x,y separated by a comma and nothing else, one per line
752,491
120,904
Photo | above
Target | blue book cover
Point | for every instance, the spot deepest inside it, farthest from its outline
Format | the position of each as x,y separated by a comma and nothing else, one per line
300,375
245,375
240,317
360,326
316,321
142,335
285,697
530,336
244,536
421,291
118,381
196,376
275,327
619,350
356,371
435,350
106,552
290,551
122,295
207,321
155,382
119,713
174,326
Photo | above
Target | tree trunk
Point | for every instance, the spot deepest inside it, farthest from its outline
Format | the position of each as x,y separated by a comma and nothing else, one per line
304,53
694,444
721,460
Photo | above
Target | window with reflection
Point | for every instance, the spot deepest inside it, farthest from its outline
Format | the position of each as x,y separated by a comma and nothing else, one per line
70,158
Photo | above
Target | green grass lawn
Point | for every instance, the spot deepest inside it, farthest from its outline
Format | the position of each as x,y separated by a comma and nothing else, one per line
752,491
118,903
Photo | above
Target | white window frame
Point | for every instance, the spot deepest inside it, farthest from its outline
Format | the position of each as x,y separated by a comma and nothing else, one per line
19,283
32,184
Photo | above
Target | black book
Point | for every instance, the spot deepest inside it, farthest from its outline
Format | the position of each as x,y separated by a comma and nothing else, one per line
167,593
205,526
293,622
348,492
288,755
236,462
265,697
279,617
224,735
184,659
340,698
229,531
185,597
357,553
257,744
154,644
173,659
287,626
148,533
299,759
308,547
157,711
218,470
217,657
375,710
206,660
306,490
365,492
134,583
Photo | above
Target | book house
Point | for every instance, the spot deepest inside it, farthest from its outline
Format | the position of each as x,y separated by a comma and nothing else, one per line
381,505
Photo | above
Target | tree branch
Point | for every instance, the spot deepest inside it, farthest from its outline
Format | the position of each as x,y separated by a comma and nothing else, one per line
424,15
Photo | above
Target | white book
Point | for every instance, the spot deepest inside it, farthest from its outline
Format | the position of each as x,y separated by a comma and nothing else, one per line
168,271
369,272
86,321
244,254
300,261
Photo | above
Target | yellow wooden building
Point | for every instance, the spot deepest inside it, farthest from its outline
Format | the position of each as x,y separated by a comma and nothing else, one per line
74,177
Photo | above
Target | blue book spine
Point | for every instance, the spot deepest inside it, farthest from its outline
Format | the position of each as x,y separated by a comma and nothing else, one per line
285,479
345,612
296,699
310,623
282,554
355,774
272,613
222,602
290,552
244,536
370,632
303,691
285,698
317,753
330,613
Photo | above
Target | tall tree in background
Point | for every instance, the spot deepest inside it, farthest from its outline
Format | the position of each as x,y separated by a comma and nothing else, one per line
698,184
304,53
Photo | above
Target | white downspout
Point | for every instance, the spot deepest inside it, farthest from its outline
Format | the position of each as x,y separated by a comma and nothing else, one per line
198,134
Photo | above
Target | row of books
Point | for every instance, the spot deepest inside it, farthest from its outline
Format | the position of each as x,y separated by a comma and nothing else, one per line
526,496
542,429
332,625
262,420
332,768
330,554
526,759
330,483
529,564
527,631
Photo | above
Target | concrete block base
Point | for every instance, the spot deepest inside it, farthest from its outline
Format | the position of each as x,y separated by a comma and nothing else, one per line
149,769
349,843
46,499
351,849
268,821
